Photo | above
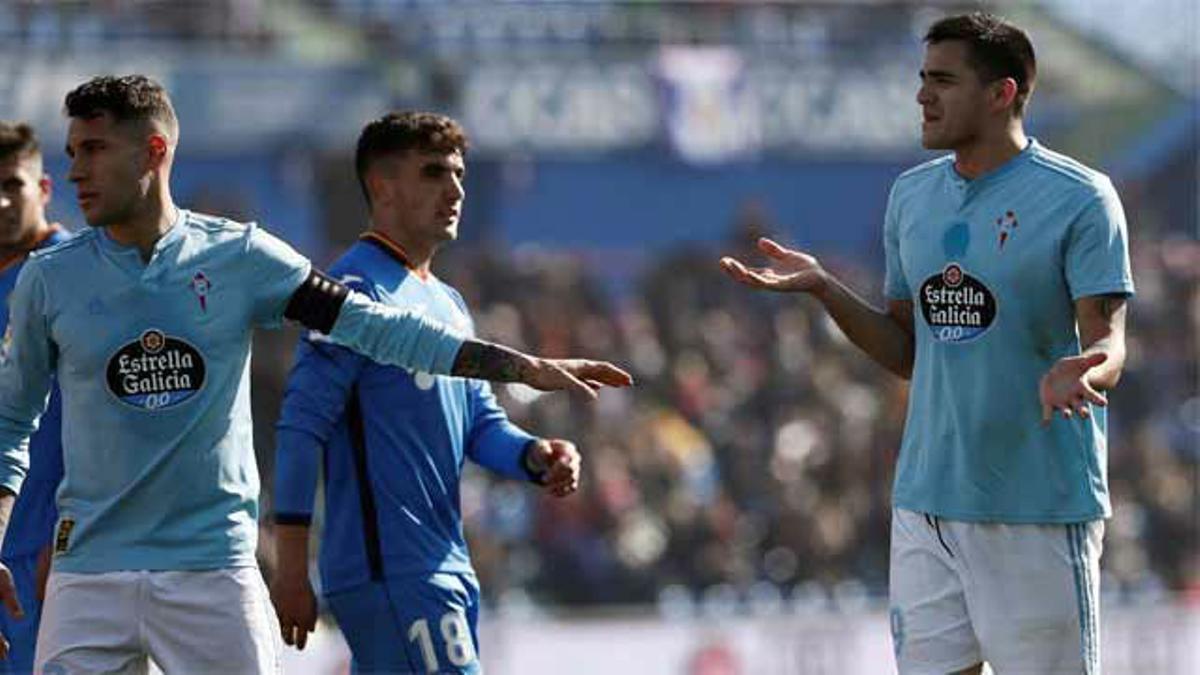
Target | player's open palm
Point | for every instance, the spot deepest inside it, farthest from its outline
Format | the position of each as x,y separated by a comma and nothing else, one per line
787,270
1065,389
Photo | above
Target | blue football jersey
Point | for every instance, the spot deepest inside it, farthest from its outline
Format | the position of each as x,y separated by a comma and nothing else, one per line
993,267
392,441
153,360
34,513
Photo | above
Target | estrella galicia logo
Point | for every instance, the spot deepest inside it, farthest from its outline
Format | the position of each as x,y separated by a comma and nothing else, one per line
957,307
155,371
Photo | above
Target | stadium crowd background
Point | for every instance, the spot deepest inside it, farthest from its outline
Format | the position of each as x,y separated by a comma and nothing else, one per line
751,467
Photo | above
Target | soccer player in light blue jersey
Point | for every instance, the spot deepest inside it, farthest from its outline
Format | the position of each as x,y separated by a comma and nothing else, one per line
394,563
1006,283
24,193
146,320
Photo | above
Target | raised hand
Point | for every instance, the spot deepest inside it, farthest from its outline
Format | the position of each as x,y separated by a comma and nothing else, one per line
558,462
788,270
1065,389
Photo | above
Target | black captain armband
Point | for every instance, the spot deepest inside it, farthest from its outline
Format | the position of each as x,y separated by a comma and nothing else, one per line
317,302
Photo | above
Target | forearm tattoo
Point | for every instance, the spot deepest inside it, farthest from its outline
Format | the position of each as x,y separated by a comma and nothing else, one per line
487,361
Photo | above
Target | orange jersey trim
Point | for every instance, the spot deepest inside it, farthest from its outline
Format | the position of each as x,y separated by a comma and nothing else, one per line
391,246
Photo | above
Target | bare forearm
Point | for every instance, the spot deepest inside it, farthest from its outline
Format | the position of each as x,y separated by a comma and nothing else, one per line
1101,322
1106,375
487,361
883,336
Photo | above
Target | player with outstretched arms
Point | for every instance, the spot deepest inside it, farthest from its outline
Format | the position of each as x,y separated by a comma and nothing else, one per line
1006,282
146,319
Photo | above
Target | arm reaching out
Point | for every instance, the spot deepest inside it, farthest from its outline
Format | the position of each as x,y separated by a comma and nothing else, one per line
410,340
486,361
885,336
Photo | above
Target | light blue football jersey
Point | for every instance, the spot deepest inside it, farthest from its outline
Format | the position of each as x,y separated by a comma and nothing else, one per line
993,267
153,361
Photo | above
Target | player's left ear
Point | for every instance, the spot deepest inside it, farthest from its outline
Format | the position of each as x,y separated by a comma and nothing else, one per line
157,148
1003,94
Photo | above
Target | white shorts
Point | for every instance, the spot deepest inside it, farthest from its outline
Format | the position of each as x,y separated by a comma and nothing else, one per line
202,622
1023,598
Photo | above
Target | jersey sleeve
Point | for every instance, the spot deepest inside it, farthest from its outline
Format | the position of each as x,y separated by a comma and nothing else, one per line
318,388
396,337
1097,254
28,359
277,270
895,285
494,441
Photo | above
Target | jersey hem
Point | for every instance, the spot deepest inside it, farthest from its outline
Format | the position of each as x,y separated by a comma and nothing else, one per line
1124,287
93,564
1006,518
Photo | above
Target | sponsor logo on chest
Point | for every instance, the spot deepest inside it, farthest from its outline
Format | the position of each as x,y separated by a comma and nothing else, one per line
156,371
957,307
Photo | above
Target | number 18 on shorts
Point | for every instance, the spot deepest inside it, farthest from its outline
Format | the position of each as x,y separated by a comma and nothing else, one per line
419,625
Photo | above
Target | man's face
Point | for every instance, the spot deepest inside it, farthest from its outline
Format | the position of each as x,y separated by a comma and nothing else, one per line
24,193
954,103
426,192
108,168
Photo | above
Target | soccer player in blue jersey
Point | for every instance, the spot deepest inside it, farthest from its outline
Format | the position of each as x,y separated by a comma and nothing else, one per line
394,562
24,194
1006,282
146,318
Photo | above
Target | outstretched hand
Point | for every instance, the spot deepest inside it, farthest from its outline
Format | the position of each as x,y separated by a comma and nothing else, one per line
788,270
1065,388
579,376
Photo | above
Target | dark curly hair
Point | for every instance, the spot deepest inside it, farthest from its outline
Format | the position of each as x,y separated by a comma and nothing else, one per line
17,139
129,98
397,132
995,49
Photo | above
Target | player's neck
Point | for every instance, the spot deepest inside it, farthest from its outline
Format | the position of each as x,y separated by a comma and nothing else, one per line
417,252
990,151
149,222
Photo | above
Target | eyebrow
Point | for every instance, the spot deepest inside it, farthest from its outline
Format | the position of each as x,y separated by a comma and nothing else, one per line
443,167
938,73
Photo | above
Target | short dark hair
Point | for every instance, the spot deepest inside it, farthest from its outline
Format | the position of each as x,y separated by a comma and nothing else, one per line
995,49
18,139
128,98
397,132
